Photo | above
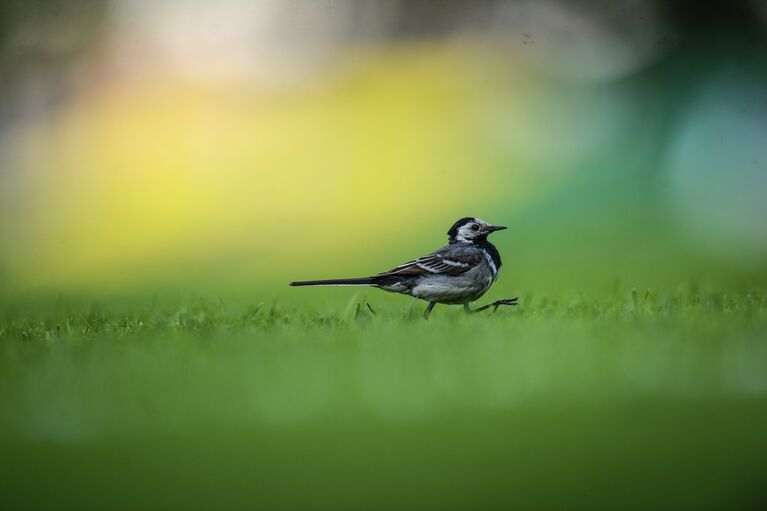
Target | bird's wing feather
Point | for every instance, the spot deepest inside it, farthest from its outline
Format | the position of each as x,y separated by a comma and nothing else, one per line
450,260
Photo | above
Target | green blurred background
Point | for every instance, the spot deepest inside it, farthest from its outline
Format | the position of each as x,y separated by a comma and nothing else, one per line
234,146
166,167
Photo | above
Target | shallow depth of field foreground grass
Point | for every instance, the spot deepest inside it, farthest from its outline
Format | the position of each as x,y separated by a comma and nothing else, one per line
633,400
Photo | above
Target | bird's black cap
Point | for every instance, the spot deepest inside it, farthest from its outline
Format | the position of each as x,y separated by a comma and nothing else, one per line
453,232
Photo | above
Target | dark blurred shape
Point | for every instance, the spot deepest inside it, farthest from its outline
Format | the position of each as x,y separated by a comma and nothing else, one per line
698,21
41,44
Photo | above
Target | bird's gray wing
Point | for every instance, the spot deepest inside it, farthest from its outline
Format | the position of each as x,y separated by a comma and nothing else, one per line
450,260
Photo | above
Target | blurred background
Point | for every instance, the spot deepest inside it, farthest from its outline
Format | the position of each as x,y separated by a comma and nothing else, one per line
218,149
233,146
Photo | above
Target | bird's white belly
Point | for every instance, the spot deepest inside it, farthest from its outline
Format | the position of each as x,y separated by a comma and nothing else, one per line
453,290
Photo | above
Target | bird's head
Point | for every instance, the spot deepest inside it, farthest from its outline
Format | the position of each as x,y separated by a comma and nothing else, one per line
471,230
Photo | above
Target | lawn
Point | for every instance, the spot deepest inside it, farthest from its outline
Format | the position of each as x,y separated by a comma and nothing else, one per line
624,400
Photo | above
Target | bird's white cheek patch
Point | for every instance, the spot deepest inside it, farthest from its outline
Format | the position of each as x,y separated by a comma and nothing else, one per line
461,236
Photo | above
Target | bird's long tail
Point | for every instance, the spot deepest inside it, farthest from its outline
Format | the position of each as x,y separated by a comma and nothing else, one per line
364,281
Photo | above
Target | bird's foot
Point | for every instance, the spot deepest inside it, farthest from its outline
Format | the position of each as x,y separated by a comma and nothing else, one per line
495,305
510,301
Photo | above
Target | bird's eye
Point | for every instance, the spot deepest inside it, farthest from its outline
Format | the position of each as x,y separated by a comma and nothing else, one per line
475,227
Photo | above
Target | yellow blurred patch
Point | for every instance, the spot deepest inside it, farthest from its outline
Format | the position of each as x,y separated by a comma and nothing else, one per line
140,180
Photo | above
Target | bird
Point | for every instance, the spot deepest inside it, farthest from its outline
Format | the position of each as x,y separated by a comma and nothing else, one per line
458,273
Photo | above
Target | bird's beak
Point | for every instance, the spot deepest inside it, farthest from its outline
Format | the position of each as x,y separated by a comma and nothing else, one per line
494,228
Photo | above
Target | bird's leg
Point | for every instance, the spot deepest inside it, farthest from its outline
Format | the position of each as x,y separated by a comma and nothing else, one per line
496,304
412,308
428,310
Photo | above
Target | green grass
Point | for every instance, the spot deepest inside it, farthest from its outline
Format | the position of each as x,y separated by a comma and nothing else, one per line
629,400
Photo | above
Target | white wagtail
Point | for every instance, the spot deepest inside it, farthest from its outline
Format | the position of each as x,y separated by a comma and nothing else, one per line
458,273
